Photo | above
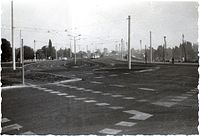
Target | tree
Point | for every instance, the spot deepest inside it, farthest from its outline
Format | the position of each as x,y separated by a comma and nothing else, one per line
28,52
6,50
40,54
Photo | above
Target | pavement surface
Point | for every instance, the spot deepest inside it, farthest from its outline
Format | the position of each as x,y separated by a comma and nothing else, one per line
158,99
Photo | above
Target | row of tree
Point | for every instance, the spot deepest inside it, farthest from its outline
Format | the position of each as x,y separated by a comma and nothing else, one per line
184,52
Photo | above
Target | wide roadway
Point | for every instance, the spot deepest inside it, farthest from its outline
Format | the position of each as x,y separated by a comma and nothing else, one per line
159,101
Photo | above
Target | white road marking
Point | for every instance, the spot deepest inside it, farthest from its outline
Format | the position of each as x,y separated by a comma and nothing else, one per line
96,92
165,103
80,88
4,120
70,96
113,75
11,127
138,115
95,82
88,90
110,131
62,94
90,101
128,98
126,73
147,89
28,133
181,97
120,86
116,96
126,124
42,88
99,77
79,98
106,94
55,92
102,104
48,90
142,100
176,99
116,107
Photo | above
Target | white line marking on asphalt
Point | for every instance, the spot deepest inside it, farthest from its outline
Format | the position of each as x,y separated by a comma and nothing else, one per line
147,89
70,96
99,77
102,104
128,98
80,88
96,92
55,92
28,133
95,82
142,100
113,75
88,90
17,86
79,98
106,94
110,131
116,107
4,120
138,115
62,94
119,86
165,103
126,124
90,101
11,127
180,97
48,90
176,99
42,88
126,73
116,96
67,81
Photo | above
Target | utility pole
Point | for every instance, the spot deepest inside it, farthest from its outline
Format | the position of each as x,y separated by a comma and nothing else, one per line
164,47
20,40
141,47
122,48
129,48
56,53
34,51
70,54
184,50
145,55
74,50
12,36
150,49
22,49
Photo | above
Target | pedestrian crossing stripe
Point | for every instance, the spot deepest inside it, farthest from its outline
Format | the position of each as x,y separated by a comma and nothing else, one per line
128,98
147,89
115,96
116,107
102,104
110,131
70,96
11,127
90,101
138,115
28,133
126,124
62,94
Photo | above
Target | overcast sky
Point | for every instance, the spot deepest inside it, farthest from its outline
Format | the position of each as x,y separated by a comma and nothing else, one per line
101,23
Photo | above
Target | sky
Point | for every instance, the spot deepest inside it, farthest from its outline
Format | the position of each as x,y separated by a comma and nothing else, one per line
101,23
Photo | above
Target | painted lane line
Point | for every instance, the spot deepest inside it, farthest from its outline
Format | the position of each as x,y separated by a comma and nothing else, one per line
176,99
28,133
11,127
102,104
165,103
119,86
4,120
88,90
95,82
147,89
106,94
142,100
62,94
70,96
113,75
125,124
181,97
96,92
55,92
110,131
138,115
128,98
48,90
126,73
116,107
80,88
79,98
116,96
90,101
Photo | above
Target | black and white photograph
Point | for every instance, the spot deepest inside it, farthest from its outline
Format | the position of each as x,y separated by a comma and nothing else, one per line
99,67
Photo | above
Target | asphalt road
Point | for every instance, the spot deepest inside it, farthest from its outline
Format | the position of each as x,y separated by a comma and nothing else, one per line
160,100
